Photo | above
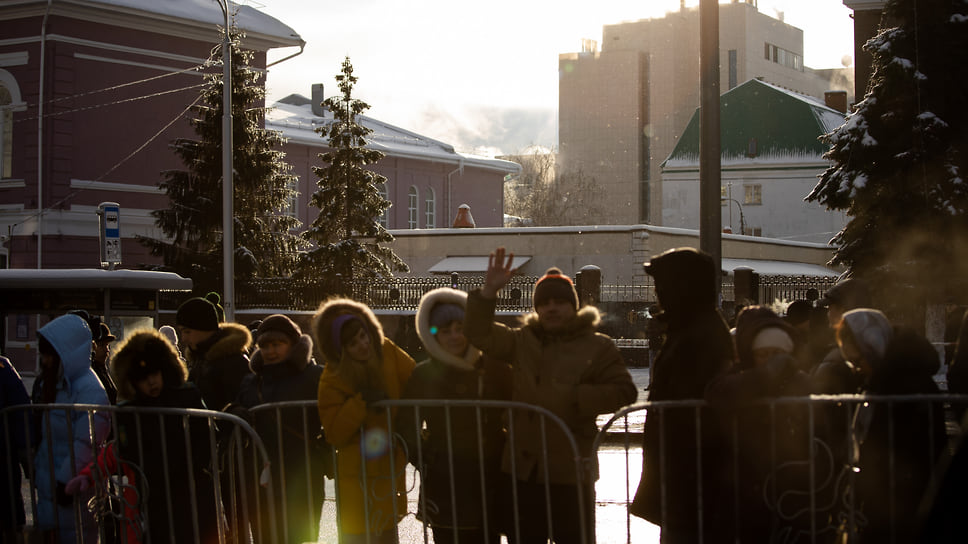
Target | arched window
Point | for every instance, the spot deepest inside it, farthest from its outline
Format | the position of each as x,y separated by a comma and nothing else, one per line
412,200
430,208
384,219
10,102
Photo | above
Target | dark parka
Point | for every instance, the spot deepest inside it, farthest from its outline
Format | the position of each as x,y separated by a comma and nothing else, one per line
768,447
897,446
144,442
697,348
447,376
290,435
576,374
13,445
218,365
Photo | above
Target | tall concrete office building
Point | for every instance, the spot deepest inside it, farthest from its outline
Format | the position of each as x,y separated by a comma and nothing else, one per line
621,109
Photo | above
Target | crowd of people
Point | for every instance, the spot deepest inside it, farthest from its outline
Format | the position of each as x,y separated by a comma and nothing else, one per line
758,461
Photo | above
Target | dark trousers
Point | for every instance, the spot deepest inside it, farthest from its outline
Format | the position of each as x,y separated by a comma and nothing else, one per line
531,521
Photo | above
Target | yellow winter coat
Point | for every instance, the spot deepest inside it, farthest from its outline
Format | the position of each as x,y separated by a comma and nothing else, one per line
381,483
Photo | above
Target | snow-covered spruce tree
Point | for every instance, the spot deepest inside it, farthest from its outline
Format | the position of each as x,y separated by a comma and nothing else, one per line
899,162
264,243
346,234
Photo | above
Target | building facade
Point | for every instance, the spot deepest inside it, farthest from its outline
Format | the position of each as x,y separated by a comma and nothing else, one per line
93,92
622,109
771,156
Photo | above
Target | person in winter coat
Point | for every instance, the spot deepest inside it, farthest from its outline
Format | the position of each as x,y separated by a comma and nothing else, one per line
768,447
362,367
215,352
283,370
895,444
14,446
443,443
697,348
560,363
166,469
99,361
66,444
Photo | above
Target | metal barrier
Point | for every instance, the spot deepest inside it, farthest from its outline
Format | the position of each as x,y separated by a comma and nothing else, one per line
172,473
787,468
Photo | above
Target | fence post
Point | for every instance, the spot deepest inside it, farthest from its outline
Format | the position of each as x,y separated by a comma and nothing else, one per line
590,285
746,286
453,280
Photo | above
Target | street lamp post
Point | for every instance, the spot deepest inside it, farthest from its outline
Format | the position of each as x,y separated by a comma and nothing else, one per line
228,242
742,218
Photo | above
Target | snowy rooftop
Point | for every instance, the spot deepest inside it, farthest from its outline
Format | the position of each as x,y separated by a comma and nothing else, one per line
293,116
245,17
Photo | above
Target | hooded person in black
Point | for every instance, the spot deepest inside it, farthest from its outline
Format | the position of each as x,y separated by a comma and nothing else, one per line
697,347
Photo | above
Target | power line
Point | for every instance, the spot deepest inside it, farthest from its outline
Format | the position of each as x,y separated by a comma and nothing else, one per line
113,168
128,84
116,102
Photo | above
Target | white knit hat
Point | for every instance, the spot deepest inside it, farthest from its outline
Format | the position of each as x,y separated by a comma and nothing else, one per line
773,337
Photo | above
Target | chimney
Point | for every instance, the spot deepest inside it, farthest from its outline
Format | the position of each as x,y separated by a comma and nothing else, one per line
836,100
464,219
317,100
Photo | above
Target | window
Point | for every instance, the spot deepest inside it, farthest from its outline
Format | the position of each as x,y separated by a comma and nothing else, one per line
733,68
412,208
293,201
783,57
754,194
6,133
384,219
430,209
752,148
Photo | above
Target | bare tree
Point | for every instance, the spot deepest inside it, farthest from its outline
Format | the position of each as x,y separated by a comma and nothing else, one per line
544,196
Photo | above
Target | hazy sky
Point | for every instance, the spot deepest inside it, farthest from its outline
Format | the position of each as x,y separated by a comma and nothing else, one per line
478,74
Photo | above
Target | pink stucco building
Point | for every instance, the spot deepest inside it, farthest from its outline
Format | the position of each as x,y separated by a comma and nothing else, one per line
93,91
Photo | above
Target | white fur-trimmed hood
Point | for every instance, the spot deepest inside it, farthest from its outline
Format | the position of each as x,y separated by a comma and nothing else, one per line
443,295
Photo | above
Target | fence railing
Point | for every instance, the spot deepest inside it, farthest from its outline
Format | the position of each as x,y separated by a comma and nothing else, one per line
403,294
787,470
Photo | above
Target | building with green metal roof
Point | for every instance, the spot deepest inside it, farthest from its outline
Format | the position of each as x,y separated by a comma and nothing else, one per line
771,155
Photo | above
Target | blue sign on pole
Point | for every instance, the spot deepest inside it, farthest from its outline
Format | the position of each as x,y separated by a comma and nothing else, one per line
109,215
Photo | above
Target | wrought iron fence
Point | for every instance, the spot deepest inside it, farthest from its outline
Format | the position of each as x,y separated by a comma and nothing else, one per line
403,294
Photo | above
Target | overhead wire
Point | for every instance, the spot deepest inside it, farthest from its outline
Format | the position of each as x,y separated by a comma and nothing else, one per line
117,165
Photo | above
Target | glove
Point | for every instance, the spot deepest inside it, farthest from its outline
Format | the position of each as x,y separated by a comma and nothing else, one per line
372,394
77,484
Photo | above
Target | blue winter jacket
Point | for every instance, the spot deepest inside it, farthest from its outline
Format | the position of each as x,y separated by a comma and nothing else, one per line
77,384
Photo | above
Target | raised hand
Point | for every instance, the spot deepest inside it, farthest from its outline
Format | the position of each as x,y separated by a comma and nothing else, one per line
498,272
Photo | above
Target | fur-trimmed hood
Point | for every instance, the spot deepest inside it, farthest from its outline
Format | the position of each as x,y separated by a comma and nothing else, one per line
328,311
230,339
586,320
444,295
130,352
299,357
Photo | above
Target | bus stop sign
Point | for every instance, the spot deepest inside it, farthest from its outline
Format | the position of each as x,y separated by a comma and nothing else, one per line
109,219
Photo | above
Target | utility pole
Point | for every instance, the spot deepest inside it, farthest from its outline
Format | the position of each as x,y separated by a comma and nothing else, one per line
710,214
228,234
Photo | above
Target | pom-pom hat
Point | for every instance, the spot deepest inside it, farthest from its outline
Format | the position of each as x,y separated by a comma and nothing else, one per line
554,284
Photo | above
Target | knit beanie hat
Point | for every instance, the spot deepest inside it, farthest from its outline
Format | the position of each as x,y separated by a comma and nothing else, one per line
216,300
554,284
773,337
277,325
445,314
197,313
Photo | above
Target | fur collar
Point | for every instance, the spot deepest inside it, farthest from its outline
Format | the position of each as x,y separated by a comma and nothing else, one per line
443,295
230,339
586,320
298,359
